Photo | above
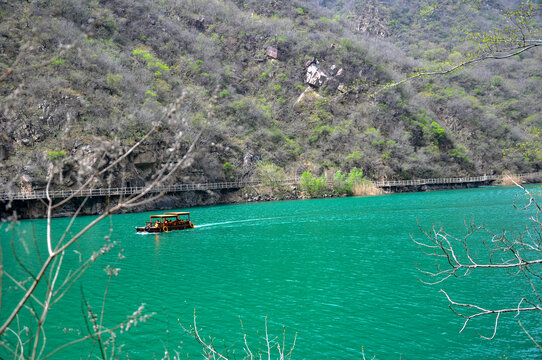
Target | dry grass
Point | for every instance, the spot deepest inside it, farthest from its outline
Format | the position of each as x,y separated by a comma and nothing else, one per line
366,189
510,179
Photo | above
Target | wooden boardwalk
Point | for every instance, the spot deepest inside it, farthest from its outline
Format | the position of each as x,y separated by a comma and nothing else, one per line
127,191
440,181
122,191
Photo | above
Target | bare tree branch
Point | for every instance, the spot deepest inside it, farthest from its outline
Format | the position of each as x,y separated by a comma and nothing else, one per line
424,74
211,352
519,254
61,247
529,335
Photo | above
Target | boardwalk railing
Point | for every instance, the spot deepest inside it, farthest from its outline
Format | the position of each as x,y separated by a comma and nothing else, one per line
456,180
419,182
126,191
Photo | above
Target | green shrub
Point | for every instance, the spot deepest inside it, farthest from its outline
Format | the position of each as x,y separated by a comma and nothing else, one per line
58,61
270,174
460,152
313,186
356,177
497,81
113,80
354,156
438,132
150,94
152,62
341,185
229,170
436,54
55,155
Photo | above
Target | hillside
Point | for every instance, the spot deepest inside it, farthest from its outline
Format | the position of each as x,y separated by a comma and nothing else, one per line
89,78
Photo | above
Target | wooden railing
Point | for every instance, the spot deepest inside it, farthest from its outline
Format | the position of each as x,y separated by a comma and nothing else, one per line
419,182
126,191
456,180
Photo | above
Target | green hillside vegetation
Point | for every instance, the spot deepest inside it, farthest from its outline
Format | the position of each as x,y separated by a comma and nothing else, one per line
95,75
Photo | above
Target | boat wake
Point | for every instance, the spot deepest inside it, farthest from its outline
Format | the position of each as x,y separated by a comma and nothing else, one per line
234,222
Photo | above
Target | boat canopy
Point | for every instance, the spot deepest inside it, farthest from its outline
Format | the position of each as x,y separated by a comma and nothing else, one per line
179,213
170,215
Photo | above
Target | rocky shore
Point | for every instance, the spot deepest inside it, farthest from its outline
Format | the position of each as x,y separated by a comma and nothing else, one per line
35,209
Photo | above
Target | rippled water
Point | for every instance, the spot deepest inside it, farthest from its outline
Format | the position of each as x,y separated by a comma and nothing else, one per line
339,272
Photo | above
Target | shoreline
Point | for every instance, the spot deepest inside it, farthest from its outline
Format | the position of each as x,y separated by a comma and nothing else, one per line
35,209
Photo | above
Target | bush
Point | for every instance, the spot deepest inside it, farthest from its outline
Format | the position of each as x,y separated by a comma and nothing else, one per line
354,156
270,174
438,132
229,170
355,184
54,155
356,177
313,186
341,185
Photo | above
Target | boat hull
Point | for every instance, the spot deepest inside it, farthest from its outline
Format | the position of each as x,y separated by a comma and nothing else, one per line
149,229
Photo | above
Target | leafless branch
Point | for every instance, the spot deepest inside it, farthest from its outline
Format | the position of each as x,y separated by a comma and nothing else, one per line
61,247
518,253
424,74
211,352
530,336
123,326
480,311
363,354
248,352
208,347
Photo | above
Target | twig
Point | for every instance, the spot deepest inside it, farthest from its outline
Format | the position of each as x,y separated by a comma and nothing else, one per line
529,335
452,69
53,254
195,334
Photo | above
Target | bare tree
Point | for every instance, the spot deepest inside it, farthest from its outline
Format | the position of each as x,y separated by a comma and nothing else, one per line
481,249
23,339
272,346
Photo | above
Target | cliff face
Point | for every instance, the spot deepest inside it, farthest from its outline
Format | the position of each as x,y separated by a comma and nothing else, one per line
83,82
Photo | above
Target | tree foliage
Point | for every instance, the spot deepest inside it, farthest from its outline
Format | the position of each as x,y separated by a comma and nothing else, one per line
313,186
270,175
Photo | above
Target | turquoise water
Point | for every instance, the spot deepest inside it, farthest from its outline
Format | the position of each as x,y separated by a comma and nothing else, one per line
341,273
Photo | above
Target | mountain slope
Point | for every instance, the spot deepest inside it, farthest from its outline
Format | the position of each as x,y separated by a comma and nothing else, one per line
92,76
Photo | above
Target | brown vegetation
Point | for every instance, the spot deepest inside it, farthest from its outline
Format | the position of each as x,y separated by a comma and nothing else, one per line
509,179
366,189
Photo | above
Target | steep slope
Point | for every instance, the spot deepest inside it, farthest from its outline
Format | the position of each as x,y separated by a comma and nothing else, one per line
89,77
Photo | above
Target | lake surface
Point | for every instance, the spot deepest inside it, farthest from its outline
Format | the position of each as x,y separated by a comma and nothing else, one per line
341,273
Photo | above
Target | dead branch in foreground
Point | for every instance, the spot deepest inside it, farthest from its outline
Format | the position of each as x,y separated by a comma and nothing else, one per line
29,339
519,254
271,345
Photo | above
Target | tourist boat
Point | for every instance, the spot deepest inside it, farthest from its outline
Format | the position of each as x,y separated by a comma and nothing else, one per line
167,222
